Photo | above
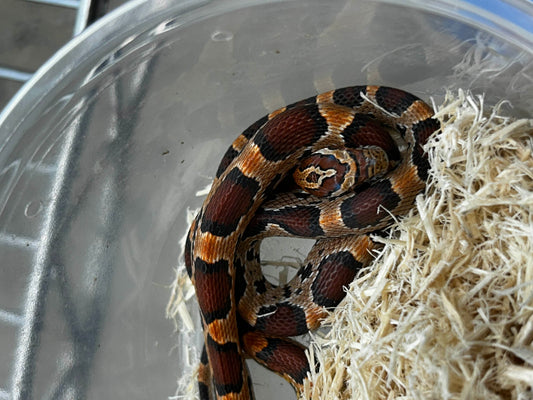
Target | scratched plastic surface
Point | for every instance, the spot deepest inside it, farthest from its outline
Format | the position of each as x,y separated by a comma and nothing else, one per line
101,155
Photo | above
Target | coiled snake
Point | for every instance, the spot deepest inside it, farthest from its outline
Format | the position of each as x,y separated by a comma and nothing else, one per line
332,167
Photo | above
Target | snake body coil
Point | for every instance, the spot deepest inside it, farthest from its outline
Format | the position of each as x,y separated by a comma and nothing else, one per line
357,155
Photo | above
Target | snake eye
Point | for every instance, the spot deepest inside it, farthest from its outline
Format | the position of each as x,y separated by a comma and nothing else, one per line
312,178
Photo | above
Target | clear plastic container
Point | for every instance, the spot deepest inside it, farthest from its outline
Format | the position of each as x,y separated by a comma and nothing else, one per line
103,151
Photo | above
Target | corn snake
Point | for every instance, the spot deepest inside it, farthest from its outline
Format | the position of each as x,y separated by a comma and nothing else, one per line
254,196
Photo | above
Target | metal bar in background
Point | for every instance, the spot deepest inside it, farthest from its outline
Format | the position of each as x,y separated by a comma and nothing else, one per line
14,75
59,3
11,318
82,16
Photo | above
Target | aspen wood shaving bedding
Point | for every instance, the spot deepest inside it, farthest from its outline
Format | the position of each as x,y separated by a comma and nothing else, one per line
446,310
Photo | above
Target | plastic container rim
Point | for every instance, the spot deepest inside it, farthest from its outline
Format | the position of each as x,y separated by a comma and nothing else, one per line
136,11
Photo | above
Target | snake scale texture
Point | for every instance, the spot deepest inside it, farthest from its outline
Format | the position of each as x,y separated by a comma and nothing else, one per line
332,167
